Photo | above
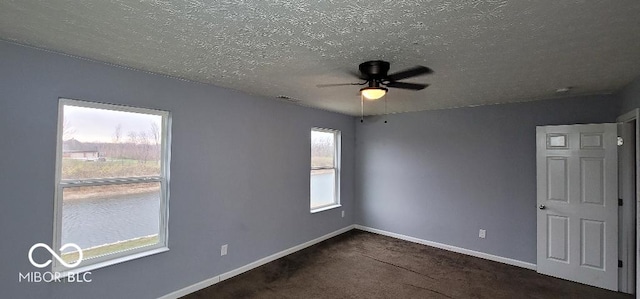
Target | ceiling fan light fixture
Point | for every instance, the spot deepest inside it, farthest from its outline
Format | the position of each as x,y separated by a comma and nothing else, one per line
373,93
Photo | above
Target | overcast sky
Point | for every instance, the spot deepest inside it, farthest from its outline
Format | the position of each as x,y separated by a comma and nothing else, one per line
99,125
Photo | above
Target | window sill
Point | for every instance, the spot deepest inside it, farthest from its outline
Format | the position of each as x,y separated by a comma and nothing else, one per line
325,208
111,262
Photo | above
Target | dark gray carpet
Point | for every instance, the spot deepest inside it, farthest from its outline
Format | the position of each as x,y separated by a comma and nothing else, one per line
358,264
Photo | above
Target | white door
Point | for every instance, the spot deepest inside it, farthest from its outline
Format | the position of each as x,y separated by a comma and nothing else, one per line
578,203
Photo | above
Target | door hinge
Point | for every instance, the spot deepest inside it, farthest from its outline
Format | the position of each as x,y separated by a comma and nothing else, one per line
620,201
619,264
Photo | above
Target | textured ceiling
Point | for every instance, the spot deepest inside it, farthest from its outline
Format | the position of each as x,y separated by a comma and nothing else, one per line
482,51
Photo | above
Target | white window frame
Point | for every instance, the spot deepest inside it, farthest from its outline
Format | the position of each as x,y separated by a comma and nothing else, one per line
163,179
336,167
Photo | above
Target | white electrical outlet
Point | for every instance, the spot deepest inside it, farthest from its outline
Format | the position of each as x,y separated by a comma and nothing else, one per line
223,249
482,234
342,214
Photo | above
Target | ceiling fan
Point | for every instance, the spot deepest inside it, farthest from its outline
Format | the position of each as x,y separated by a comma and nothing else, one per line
374,73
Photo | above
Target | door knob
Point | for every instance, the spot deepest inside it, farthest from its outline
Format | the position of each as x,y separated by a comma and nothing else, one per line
542,207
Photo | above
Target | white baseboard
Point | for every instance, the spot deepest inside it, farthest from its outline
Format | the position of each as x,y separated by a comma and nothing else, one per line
283,253
474,253
192,288
213,280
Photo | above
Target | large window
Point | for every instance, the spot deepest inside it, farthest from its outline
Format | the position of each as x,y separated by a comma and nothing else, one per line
112,183
325,169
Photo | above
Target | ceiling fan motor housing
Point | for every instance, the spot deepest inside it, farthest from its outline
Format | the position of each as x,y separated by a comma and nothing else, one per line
376,69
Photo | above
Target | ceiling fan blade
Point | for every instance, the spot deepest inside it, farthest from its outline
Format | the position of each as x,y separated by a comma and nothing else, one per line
412,72
411,86
339,84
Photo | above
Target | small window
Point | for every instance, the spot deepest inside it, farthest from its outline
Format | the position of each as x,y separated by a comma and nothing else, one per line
325,169
112,183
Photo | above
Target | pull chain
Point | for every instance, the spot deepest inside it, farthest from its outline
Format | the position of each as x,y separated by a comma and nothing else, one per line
361,108
385,110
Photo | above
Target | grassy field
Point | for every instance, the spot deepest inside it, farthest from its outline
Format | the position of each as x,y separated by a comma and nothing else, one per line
80,169
110,191
320,161
111,248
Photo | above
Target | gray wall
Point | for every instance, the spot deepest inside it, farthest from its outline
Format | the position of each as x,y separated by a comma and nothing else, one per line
239,173
442,175
630,96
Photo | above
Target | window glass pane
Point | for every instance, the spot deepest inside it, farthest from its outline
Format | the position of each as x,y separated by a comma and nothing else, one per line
100,143
112,218
322,187
322,149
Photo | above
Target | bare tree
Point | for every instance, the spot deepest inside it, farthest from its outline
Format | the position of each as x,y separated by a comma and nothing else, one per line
67,130
117,148
146,146
155,133
133,145
117,134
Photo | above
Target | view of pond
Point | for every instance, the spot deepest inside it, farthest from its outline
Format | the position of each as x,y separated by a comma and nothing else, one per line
104,219
99,220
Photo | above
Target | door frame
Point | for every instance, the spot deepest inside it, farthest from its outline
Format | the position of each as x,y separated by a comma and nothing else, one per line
628,276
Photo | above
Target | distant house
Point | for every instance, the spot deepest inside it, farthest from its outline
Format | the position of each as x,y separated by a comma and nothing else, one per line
74,149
